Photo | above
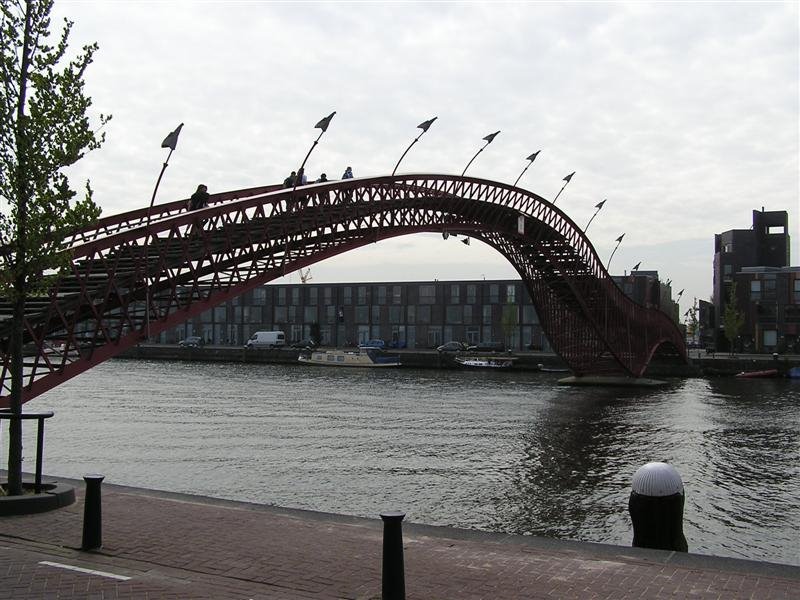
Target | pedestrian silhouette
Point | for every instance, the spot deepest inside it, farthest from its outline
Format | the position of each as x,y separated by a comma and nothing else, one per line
199,199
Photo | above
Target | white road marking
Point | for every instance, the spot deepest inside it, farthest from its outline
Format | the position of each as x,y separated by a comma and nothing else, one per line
82,570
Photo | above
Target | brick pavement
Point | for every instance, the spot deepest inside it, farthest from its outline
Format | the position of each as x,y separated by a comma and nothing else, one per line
159,545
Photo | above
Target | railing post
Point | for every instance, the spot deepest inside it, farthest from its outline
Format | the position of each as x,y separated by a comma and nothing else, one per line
39,454
92,514
393,586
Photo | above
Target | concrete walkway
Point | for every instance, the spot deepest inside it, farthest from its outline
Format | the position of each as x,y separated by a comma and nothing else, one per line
160,545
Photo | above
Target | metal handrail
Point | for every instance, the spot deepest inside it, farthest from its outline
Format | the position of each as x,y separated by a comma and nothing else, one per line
40,417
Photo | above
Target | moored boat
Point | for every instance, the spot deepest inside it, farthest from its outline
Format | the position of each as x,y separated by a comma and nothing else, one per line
486,362
759,374
363,357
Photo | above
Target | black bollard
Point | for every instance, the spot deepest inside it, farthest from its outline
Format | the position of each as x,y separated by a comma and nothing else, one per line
393,586
656,508
92,515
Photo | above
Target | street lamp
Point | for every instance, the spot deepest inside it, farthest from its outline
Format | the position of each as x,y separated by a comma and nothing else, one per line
598,206
531,158
488,139
323,125
424,126
619,241
566,180
171,142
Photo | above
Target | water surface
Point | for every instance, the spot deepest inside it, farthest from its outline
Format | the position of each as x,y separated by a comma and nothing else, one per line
507,451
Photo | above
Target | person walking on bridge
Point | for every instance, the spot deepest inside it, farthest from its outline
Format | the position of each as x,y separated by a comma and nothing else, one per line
199,199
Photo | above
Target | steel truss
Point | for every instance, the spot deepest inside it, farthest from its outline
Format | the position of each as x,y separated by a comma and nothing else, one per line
128,279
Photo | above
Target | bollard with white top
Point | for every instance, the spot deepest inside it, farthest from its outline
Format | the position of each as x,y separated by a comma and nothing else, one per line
656,508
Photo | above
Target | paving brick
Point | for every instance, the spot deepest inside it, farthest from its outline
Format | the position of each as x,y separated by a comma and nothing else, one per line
178,546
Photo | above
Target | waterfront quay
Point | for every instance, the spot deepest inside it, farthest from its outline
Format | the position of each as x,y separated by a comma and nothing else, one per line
700,363
160,545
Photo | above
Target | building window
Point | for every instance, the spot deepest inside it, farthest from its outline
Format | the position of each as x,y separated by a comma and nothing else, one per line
295,296
769,289
347,295
395,315
423,315
494,293
727,271
467,314
362,314
330,314
412,314
427,294
280,314
487,315
313,296
281,296
381,294
529,314
292,314
454,295
770,337
362,294
472,293
328,296
251,314
396,294
755,290
511,294
310,314
454,315
434,337
797,291
220,314
376,313
260,296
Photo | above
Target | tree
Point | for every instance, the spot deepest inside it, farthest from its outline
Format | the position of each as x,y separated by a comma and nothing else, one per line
508,322
732,318
44,129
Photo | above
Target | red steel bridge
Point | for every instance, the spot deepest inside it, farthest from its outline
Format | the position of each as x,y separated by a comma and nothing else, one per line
132,275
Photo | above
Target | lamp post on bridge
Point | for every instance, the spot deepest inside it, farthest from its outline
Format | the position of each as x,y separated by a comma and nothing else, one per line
488,139
598,206
531,158
619,241
323,125
171,142
425,125
566,180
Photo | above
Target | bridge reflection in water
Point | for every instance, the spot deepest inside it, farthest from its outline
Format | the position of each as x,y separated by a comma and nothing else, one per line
498,451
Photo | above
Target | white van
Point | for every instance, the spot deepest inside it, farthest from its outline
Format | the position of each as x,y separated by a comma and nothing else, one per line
266,339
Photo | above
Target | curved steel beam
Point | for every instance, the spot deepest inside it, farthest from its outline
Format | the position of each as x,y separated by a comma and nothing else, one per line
118,283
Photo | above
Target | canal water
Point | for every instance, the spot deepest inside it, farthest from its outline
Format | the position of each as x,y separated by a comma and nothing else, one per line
511,452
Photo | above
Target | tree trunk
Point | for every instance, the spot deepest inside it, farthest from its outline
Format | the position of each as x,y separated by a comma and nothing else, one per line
15,425
20,269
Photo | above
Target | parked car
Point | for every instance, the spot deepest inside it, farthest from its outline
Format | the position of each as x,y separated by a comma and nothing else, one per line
489,347
307,344
452,347
380,344
193,341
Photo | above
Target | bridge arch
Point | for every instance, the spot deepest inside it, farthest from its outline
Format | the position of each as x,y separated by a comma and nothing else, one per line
137,274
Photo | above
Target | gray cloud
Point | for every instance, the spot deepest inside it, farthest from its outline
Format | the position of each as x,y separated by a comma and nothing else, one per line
683,115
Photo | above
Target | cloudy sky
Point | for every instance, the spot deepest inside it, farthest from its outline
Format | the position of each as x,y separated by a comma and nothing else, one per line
683,115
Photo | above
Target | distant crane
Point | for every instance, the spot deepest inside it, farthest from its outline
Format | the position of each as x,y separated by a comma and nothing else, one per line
305,276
